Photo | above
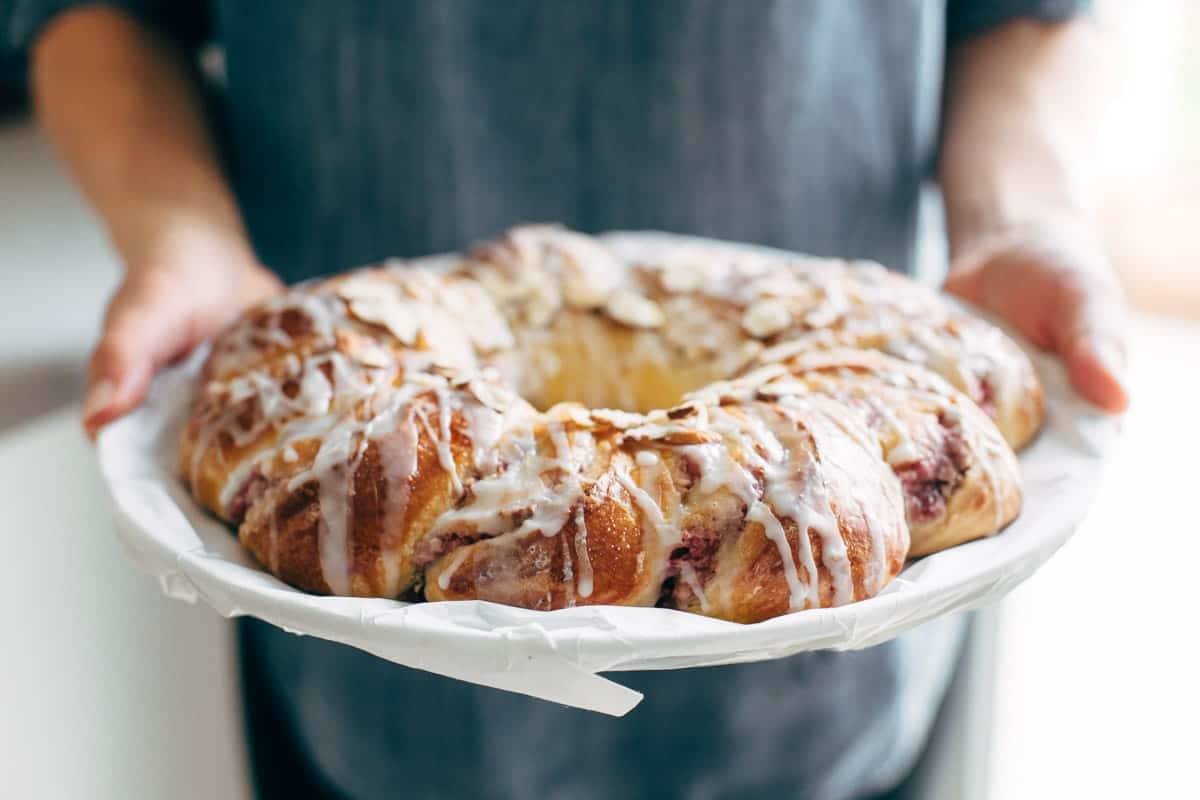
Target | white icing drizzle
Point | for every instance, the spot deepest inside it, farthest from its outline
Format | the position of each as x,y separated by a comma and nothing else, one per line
562,448
646,458
486,427
688,575
808,506
204,440
323,311
334,467
941,356
794,488
445,456
667,534
584,586
460,555
236,479
315,397
546,488
343,444
797,591
718,470
568,571
496,497
553,508
398,458
991,448
903,449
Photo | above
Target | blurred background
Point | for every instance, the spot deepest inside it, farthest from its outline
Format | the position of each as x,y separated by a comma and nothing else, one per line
1088,686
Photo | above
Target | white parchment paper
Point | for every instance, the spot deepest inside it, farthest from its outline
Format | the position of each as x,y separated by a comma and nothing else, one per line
557,655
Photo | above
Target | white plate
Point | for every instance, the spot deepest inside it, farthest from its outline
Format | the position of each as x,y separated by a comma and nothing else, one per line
556,655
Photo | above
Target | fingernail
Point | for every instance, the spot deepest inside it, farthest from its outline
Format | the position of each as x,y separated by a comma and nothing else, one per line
99,397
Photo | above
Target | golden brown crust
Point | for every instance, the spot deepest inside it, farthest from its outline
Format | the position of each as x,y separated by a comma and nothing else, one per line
361,432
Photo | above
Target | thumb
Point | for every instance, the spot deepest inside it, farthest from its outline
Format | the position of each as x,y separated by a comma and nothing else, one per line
141,334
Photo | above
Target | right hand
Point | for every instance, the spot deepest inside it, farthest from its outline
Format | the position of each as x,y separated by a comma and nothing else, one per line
170,300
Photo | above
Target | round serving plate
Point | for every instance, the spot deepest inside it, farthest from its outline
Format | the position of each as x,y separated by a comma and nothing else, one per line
556,655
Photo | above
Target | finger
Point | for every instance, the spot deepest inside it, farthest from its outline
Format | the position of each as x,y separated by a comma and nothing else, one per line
1097,369
1088,335
1006,287
141,333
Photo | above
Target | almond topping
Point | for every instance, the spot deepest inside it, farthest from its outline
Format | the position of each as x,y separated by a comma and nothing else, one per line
401,318
679,412
634,310
570,412
365,285
766,318
671,435
616,418
490,396
681,278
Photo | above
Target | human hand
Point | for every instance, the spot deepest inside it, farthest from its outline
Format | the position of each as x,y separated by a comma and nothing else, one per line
1056,288
185,289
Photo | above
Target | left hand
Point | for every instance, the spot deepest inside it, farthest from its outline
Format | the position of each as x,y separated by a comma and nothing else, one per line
1058,291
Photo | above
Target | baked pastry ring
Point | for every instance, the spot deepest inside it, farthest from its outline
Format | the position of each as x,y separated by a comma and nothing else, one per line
792,428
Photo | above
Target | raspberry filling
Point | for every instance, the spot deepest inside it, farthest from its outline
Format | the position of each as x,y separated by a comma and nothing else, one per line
695,554
254,488
987,397
431,548
698,548
929,481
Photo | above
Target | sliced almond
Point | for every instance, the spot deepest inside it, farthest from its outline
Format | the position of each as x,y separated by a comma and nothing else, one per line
420,284
762,375
427,379
787,387
766,317
634,310
448,371
570,412
589,271
540,304
373,355
674,435
582,292
365,285
360,349
400,317
681,278
492,397
823,315
782,284
616,418
679,412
